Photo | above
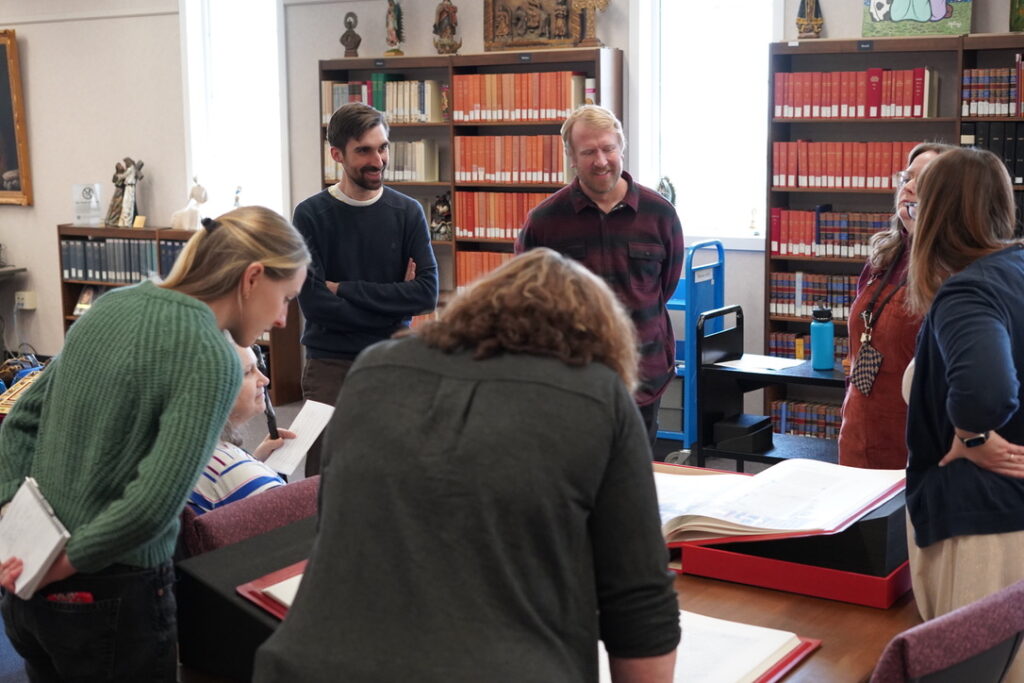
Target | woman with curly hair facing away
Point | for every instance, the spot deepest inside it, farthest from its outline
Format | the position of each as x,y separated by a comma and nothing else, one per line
488,503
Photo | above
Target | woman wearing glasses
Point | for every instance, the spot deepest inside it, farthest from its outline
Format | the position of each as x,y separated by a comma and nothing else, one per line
882,335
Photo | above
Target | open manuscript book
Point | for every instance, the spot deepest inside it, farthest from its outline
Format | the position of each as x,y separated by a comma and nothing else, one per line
720,651
793,498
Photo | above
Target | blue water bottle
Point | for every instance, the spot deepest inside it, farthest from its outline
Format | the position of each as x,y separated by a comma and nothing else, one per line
822,340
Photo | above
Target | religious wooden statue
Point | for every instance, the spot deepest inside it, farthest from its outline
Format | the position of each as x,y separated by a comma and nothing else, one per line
350,39
393,31
809,20
446,23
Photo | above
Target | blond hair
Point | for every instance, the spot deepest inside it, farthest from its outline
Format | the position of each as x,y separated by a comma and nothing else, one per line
966,212
887,244
544,304
213,260
595,117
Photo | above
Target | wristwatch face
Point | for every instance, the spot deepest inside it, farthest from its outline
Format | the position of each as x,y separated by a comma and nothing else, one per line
973,441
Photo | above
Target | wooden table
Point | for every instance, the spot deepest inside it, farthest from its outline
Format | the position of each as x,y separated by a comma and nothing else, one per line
852,637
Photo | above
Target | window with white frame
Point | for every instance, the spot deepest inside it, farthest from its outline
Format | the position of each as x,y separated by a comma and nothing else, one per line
237,136
709,111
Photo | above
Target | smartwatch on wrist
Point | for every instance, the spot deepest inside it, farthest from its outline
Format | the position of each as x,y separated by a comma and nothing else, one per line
972,441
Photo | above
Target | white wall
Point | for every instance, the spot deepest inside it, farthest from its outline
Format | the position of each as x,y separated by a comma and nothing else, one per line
102,80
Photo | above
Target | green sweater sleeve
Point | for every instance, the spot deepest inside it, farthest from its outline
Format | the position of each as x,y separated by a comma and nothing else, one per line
193,415
18,437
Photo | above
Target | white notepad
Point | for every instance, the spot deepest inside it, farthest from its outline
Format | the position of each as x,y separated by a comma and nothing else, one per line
307,425
30,531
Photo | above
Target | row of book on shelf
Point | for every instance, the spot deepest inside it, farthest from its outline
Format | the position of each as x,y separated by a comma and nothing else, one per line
869,94
116,260
401,101
469,265
798,345
823,232
799,293
526,96
414,160
1005,139
803,418
992,91
493,215
510,159
803,163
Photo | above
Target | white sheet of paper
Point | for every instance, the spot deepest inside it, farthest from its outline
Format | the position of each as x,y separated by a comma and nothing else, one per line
753,361
307,425
30,531
284,591
720,651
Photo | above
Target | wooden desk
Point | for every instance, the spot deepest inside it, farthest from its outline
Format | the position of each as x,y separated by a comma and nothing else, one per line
852,637
219,631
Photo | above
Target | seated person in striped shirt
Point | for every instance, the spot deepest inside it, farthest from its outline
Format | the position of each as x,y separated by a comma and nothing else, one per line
233,473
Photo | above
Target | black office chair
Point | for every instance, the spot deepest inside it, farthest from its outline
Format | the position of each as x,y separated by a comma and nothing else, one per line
975,643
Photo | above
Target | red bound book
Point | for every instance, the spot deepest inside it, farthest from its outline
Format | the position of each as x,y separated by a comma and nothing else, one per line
254,590
802,166
816,94
775,231
862,94
874,93
778,93
776,165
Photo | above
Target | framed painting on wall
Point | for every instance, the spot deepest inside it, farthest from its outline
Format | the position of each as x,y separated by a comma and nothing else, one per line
517,24
15,177
916,17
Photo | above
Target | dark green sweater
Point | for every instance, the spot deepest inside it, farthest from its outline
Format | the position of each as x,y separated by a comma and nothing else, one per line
119,426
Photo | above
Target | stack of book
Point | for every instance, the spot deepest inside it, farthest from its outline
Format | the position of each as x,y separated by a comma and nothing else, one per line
873,93
853,165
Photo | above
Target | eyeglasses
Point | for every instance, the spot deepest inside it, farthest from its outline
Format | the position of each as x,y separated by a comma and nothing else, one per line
912,210
903,177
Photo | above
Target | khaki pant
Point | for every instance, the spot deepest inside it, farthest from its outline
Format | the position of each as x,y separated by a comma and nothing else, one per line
963,569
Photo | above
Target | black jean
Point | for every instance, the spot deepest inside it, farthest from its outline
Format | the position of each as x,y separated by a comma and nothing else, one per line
127,633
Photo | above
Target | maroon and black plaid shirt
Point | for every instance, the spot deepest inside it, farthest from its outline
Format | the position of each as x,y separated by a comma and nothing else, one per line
637,248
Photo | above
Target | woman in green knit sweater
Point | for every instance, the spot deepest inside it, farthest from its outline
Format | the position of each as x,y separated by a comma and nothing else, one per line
116,431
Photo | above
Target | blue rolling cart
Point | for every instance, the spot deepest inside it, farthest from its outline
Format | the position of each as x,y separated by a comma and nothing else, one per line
701,288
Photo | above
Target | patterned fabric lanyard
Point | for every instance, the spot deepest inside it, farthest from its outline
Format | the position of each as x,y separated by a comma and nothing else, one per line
869,359
868,315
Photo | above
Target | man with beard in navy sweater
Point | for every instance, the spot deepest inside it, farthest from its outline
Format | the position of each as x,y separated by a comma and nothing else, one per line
373,266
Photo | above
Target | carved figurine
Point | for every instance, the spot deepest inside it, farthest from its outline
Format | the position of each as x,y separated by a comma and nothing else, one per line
446,23
117,199
129,209
350,39
394,33
585,11
441,218
809,20
188,218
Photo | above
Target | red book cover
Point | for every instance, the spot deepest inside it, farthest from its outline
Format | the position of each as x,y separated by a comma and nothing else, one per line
837,93
775,229
917,98
798,94
862,94
546,161
816,93
253,590
776,163
908,92
784,245
778,93
874,93
802,167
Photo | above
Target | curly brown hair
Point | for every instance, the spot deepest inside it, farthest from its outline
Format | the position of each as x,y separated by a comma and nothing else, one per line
544,304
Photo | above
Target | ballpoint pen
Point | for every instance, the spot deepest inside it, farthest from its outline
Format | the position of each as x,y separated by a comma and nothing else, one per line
268,409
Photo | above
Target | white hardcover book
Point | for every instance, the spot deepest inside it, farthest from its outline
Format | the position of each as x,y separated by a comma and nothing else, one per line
30,531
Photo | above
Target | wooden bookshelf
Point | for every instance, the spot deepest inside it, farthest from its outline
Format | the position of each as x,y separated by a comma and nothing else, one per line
603,65
948,57
116,257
